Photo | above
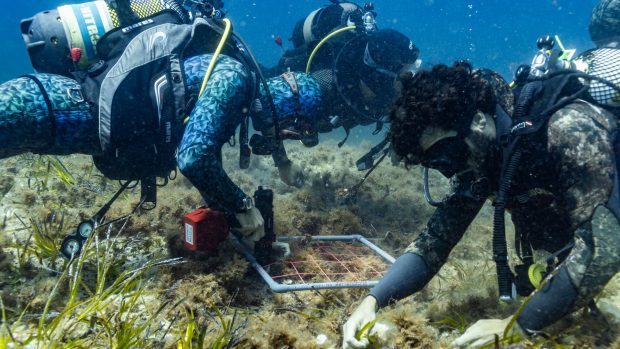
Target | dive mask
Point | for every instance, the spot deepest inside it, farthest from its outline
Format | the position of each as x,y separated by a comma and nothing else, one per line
371,63
299,129
391,71
448,156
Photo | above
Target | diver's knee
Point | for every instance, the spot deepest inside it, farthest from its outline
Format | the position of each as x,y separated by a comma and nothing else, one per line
553,301
605,233
592,267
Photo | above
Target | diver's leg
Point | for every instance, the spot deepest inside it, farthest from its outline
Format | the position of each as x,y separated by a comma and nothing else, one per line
45,114
599,259
593,261
212,122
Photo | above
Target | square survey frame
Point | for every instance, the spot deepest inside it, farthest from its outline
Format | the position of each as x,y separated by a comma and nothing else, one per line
278,287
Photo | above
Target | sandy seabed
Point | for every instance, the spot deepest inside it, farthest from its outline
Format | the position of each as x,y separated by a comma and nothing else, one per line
389,209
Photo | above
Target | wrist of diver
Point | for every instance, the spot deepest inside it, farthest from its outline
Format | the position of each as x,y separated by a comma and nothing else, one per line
243,204
373,301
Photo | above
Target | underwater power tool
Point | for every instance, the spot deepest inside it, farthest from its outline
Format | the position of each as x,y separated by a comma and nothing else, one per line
263,200
204,229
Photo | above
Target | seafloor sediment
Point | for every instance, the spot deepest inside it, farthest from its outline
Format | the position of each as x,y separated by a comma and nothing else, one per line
215,298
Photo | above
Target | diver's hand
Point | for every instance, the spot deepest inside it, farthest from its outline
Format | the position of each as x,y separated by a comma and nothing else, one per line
252,224
291,174
364,314
483,332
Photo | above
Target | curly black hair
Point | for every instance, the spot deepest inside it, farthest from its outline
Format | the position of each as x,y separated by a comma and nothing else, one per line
444,97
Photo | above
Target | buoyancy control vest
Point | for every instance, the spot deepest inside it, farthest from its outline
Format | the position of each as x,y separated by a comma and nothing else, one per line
137,89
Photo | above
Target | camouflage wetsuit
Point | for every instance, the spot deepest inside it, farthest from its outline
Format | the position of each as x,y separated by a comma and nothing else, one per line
26,124
557,198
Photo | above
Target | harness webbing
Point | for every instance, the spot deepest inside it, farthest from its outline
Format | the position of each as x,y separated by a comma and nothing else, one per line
48,104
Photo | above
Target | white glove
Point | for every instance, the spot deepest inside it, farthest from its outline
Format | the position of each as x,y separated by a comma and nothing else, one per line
483,332
252,224
291,174
364,314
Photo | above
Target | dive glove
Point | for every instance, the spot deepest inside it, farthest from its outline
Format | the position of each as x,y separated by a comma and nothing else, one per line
364,314
484,331
252,225
291,174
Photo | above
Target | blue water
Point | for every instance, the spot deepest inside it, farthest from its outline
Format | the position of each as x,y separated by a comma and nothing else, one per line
497,34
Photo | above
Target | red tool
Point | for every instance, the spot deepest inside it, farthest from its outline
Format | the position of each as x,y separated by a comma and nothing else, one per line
204,229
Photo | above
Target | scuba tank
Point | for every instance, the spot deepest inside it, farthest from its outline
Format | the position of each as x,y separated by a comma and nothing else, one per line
64,40
320,22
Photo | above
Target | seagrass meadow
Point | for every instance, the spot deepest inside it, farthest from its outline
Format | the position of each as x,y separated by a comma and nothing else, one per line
135,287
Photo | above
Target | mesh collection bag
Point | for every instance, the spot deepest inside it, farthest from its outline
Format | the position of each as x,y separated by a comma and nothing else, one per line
603,63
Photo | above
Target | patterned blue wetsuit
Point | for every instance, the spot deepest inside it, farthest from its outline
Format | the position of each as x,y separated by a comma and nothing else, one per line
212,122
26,123
64,125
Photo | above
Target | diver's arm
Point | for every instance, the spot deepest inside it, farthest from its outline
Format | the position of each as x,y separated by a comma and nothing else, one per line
408,275
290,173
213,121
279,156
579,138
425,256
288,104
263,120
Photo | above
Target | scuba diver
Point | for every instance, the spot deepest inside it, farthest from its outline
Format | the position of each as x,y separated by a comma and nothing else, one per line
547,150
136,83
356,63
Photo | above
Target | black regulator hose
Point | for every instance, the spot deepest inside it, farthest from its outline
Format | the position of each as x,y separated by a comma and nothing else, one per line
263,81
180,10
500,250
427,191
526,98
